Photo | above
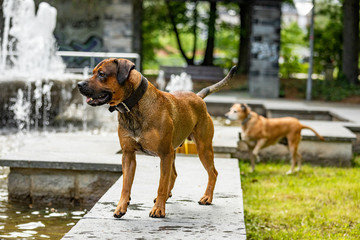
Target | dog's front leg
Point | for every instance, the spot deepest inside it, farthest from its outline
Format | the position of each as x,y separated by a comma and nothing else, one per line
254,154
166,162
128,169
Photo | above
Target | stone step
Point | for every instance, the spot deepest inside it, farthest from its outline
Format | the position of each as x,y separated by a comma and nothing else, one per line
73,151
62,168
185,218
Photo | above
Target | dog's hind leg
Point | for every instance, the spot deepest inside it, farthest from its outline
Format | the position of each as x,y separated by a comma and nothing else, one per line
203,135
172,177
299,160
294,140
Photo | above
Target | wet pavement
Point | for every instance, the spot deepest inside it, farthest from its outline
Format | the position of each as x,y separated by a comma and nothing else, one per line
185,218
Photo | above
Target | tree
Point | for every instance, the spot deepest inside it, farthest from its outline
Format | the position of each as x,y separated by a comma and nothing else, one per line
328,37
245,33
350,55
209,52
179,15
292,38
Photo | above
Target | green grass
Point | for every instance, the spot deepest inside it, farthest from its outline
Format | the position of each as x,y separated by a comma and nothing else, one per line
316,203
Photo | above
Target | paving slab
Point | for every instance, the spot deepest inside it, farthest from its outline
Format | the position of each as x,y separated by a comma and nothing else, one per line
185,218
72,151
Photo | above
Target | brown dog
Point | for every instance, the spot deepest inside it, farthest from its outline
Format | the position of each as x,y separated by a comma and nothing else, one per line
259,132
155,123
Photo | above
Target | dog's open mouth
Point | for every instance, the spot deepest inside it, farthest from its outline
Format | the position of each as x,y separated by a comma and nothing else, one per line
98,100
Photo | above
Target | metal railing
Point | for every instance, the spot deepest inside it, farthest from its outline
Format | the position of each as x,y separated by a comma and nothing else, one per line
93,55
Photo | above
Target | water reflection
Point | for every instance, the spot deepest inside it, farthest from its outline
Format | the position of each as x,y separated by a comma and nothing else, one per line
21,221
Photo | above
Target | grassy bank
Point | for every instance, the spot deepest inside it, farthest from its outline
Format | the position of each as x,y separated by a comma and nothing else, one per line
316,203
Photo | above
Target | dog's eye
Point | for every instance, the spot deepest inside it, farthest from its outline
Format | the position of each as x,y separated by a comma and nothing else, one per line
101,74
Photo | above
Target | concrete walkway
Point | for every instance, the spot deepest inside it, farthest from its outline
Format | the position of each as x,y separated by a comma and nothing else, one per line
185,218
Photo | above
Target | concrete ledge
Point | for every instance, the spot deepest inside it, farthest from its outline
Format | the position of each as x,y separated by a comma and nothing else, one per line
58,187
185,218
83,162
67,151
66,169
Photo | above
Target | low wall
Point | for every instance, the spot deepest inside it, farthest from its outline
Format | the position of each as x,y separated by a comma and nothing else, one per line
328,153
58,187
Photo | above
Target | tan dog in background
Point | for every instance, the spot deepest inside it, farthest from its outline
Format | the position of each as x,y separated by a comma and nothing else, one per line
153,122
259,132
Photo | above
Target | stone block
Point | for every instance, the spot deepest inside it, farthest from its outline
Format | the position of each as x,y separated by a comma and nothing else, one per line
59,187
19,186
264,86
54,183
91,186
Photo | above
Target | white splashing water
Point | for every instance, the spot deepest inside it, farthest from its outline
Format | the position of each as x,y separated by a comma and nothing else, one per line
29,49
160,80
33,47
180,82
21,109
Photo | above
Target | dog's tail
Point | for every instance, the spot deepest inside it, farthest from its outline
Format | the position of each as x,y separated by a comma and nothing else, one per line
217,86
318,135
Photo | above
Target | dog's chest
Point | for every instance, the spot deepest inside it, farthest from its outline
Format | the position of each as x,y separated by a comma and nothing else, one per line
132,123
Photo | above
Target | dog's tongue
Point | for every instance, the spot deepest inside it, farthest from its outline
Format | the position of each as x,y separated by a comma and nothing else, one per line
88,99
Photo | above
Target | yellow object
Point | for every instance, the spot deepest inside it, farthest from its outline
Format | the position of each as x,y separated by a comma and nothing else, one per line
188,147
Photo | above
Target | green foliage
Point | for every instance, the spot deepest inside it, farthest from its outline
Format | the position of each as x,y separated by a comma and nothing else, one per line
292,38
334,91
154,24
158,34
327,35
315,203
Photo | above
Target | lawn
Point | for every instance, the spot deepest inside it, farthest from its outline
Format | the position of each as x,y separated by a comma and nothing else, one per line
316,203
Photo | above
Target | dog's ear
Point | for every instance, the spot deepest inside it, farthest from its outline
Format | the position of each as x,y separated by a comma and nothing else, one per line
124,68
243,107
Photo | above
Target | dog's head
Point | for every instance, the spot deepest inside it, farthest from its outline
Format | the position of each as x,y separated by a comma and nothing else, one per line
108,83
238,112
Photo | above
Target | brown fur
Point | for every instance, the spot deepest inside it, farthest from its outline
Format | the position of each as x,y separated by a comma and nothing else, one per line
259,132
156,125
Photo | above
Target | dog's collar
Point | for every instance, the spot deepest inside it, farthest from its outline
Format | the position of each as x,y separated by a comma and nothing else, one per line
246,119
126,105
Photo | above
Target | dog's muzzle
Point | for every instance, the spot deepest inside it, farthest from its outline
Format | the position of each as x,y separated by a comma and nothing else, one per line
94,98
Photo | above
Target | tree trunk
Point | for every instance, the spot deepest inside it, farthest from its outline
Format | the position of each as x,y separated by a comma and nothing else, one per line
350,55
172,19
137,38
195,19
245,32
209,52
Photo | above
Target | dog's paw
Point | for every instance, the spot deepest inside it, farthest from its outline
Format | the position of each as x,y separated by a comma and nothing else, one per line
205,200
157,212
121,209
118,215
289,172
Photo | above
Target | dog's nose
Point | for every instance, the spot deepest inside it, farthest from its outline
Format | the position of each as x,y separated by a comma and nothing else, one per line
81,84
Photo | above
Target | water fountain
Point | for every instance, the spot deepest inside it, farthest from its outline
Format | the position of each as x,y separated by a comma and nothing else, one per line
34,87
180,82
